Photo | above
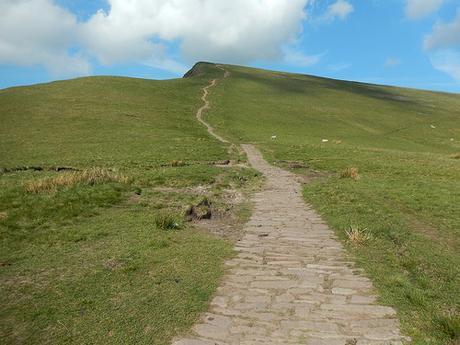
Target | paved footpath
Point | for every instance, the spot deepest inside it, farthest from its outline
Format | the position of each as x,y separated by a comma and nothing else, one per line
291,282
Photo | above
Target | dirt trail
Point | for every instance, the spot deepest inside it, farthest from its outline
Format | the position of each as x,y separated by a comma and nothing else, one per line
199,113
291,282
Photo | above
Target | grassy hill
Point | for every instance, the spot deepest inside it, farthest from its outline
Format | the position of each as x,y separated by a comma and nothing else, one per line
98,252
96,174
405,145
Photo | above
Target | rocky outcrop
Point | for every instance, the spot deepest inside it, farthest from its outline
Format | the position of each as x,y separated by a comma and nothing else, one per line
197,69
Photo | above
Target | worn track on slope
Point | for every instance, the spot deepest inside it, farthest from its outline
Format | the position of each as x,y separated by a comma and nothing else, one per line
206,106
291,281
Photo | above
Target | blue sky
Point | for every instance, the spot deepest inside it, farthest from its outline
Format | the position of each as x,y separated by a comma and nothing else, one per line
413,43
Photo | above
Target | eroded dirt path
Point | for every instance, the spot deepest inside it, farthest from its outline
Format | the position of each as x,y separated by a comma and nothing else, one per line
291,282
199,113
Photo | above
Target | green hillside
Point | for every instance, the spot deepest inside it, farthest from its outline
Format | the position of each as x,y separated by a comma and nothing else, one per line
100,253
96,174
406,146
104,121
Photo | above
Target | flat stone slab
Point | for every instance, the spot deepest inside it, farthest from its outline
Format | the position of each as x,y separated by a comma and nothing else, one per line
291,282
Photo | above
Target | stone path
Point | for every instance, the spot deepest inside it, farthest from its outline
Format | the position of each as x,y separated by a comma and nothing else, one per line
291,282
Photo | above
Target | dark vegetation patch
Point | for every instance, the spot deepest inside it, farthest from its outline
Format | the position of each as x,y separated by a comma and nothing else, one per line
199,69
37,168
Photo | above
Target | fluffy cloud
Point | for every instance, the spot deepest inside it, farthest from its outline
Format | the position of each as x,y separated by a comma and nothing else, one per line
39,32
443,47
144,31
444,35
340,9
447,61
416,9
236,31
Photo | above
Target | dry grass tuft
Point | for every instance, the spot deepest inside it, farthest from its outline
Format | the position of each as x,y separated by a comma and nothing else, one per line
3,215
352,173
90,176
455,155
168,221
357,235
176,163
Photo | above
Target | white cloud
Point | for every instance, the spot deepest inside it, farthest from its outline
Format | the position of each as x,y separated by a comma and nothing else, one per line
416,9
146,31
443,47
238,31
38,32
392,62
447,61
340,9
444,35
297,58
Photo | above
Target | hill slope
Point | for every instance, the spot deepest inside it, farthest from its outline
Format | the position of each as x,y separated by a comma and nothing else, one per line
105,261
101,253
404,143
103,120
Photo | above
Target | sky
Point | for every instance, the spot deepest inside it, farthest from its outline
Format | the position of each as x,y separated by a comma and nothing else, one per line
410,43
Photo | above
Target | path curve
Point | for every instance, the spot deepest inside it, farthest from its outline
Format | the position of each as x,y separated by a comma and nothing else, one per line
199,113
291,281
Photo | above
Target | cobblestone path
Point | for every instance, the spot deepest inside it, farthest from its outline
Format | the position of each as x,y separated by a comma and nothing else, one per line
291,282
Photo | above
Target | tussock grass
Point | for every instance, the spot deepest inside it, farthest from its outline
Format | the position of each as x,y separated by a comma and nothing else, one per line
450,325
358,236
177,163
455,155
90,176
168,221
352,173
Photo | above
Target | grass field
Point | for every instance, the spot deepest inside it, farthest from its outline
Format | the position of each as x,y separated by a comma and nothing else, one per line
101,253
96,174
405,146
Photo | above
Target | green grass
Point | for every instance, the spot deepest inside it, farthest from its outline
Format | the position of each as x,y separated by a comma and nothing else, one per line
105,121
98,259
403,142
84,262
114,278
